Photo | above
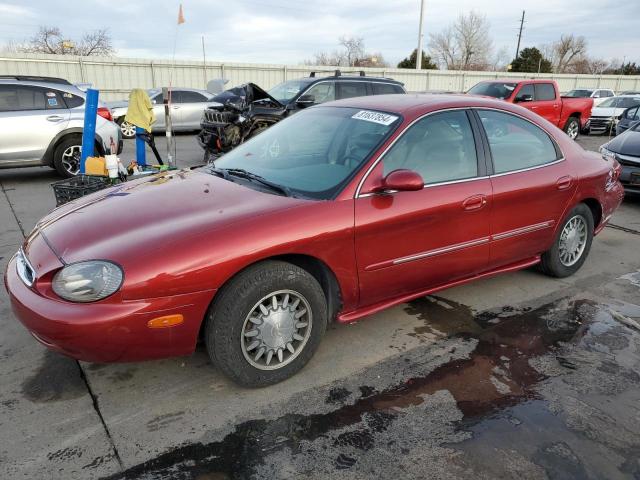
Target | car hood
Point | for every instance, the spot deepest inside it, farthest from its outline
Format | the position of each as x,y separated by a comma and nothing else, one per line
244,95
606,111
144,217
626,144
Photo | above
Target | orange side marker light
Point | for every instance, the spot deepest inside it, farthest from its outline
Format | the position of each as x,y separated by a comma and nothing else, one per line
166,321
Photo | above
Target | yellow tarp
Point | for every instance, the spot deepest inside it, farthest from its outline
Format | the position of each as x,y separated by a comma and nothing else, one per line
140,110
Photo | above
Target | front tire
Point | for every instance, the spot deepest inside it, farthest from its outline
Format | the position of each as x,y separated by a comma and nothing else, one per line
572,244
572,128
266,323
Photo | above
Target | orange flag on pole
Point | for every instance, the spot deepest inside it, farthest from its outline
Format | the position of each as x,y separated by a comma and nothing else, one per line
180,15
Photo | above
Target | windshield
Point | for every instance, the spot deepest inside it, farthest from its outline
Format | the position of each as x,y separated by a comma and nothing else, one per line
315,152
285,91
493,89
578,93
609,103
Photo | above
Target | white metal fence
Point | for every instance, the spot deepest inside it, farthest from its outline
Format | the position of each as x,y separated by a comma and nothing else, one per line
115,77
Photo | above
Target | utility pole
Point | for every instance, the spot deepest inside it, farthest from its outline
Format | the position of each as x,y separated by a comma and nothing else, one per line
419,49
520,35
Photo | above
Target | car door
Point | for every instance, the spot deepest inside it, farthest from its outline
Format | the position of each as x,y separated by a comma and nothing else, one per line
189,106
30,118
349,89
158,111
532,185
545,102
413,240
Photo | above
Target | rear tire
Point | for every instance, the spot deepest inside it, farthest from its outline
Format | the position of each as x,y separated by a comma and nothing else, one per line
128,130
572,128
572,244
272,306
66,156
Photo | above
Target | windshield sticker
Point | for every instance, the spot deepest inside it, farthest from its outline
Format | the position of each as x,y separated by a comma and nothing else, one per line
52,102
51,94
375,117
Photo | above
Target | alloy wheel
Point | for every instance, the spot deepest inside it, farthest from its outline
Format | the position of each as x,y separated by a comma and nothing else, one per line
128,129
276,330
71,159
572,130
573,240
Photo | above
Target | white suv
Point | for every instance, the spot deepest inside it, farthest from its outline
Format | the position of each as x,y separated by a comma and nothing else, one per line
41,122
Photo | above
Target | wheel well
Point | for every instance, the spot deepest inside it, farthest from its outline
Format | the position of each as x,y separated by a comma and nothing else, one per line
320,271
596,210
48,156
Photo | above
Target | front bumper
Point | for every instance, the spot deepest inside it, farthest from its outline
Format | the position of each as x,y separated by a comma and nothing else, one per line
630,176
111,330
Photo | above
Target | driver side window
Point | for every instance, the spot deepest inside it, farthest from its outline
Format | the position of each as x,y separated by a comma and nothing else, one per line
440,147
322,92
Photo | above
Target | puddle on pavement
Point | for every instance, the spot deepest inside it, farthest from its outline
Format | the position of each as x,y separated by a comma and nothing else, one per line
498,376
57,378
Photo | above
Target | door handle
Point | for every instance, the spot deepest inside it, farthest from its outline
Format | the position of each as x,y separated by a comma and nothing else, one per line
564,182
475,202
55,118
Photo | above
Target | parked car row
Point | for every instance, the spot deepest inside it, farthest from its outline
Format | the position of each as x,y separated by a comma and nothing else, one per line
605,118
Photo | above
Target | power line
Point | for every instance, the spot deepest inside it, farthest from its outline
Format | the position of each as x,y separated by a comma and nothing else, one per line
520,35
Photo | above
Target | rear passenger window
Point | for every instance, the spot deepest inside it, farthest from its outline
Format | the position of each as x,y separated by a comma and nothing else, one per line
352,89
515,143
545,91
385,88
72,101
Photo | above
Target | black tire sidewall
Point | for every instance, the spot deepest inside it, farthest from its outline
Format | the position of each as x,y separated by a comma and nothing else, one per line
66,142
232,304
551,259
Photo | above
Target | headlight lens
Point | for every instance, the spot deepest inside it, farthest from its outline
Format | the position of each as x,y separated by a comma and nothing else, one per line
88,281
607,154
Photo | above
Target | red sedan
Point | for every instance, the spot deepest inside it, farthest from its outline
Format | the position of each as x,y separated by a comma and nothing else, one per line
333,214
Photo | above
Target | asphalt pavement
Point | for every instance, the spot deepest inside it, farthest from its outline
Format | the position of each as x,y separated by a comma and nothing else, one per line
518,376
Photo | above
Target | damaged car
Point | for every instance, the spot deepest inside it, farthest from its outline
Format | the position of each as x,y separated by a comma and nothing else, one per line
247,110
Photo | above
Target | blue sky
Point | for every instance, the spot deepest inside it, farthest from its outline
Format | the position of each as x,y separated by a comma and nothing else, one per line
290,31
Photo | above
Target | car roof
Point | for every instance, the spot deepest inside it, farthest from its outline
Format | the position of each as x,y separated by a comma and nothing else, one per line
410,104
518,80
58,86
35,78
349,78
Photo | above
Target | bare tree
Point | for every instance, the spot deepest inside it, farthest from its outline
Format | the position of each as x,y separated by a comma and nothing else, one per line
464,45
566,51
353,54
354,48
51,40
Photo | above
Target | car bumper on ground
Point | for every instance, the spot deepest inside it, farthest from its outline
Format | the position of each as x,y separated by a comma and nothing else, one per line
112,330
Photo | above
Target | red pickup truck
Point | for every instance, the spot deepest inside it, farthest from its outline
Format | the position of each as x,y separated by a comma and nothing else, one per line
542,97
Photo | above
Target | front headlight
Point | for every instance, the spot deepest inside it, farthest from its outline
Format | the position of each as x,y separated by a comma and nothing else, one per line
607,154
88,281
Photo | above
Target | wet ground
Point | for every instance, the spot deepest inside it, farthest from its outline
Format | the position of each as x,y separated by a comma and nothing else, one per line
520,376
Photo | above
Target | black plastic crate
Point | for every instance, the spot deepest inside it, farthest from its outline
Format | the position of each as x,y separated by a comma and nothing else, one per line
76,187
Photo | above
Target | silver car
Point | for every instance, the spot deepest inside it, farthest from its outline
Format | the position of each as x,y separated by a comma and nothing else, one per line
187,106
41,122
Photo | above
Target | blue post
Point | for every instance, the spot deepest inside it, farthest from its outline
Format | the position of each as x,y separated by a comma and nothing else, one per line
141,150
89,130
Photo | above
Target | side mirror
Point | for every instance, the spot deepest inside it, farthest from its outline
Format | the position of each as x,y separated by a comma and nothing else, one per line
524,98
306,101
402,180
